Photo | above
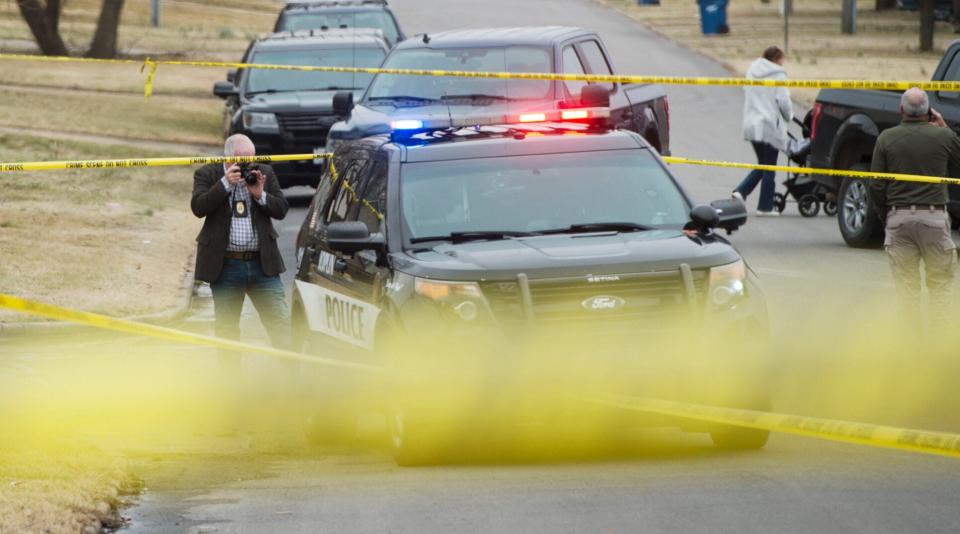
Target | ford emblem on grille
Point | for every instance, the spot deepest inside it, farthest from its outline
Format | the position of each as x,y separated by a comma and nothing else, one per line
602,303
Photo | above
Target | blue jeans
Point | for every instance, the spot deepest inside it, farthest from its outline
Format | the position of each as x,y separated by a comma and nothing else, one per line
766,155
241,278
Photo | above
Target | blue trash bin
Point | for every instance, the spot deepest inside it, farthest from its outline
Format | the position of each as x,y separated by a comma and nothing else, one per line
713,16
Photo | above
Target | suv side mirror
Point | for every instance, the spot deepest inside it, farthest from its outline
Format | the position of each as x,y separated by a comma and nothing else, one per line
343,104
225,89
594,96
353,236
232,76
729,214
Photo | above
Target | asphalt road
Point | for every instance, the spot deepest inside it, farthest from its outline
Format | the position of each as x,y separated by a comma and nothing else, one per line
658,482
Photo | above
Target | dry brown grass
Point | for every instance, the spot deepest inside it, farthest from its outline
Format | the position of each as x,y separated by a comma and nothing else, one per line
884,47
111,241
62,490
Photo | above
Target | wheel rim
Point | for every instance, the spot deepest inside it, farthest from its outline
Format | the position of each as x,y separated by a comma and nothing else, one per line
855,206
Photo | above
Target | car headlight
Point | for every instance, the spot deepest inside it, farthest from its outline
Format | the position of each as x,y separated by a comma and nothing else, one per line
727,284
463,299
263,121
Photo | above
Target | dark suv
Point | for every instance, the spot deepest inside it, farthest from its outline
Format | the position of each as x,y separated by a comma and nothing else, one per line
465,250
290,112
330,14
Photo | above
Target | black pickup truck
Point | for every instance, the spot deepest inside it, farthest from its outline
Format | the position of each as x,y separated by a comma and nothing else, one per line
642,108
844,126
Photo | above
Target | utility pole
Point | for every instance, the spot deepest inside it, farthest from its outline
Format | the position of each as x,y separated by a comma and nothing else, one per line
155,13
848,19
787,8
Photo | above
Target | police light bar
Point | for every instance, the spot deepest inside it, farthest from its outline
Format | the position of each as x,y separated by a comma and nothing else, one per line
407,128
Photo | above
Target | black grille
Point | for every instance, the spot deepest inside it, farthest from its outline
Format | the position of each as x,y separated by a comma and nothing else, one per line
314,124
633,298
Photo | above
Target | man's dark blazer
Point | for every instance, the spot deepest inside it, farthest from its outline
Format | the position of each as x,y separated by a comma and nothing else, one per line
211,202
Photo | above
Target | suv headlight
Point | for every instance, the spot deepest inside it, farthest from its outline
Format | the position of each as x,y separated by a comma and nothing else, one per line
727,284
260,121
462,299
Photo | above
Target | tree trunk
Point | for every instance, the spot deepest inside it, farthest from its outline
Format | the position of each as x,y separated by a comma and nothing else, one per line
885,4
53,14
926,25
848,17
956,16
104,44
46,35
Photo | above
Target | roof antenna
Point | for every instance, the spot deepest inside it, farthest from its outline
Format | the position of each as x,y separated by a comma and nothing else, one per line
449,113
426,39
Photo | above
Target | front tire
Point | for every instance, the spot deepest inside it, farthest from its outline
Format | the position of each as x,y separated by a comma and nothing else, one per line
859,224
739,438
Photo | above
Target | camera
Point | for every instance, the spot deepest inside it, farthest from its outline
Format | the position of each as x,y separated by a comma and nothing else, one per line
247,174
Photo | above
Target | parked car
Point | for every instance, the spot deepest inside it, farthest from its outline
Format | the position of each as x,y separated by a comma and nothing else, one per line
844,126
640,108
343,14
290,112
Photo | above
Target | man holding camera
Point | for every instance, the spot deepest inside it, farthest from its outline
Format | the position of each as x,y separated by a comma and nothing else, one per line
237,250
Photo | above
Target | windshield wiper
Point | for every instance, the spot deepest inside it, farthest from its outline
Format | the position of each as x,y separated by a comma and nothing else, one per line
599,227
461,237
476,96
407,98
270,91
333,88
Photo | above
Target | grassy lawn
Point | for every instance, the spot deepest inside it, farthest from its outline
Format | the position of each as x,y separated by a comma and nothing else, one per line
884,47
61,490
113,241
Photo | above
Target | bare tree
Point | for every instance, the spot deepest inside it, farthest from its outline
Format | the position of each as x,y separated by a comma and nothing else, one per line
104,44
926,25
46,34
43,18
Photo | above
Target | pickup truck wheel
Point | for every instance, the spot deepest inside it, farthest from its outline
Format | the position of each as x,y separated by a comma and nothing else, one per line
859,224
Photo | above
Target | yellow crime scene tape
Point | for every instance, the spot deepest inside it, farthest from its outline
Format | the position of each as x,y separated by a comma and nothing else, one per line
148,162
168,334
151,66
201,160
922,441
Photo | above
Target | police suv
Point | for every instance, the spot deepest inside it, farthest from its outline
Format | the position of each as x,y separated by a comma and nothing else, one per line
496,231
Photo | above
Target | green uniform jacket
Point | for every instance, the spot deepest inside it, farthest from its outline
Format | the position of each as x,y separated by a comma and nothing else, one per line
913,147
212,202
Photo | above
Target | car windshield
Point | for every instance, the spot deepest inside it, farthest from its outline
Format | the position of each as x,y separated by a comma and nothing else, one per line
380,20
265,80
539,193
509,59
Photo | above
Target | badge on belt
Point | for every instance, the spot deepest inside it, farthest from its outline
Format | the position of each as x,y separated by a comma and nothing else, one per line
240,208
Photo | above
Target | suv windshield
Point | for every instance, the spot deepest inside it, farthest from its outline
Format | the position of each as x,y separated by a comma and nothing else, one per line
540,193
510,59
264,80
380,20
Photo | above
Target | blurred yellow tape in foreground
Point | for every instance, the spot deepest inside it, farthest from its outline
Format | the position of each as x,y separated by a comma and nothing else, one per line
812,170
168,334
148,162
924,441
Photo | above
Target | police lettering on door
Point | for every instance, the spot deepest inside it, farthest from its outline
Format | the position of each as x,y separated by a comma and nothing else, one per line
337,315
344,317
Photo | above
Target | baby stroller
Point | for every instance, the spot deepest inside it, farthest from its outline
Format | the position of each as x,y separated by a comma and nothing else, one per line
808,194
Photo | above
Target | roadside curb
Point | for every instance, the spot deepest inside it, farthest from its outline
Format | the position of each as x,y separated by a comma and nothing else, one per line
50,328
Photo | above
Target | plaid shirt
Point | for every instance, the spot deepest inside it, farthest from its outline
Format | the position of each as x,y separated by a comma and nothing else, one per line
243,234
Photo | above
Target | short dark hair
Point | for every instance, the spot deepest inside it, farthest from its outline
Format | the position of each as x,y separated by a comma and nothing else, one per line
773,54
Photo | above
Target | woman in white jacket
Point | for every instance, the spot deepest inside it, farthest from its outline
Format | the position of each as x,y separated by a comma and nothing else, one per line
766,113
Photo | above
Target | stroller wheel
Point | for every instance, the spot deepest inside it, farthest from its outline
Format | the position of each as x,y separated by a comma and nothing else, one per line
830,208
809,205
779,202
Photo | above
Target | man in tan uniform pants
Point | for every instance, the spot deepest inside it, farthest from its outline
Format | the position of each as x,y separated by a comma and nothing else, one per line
917,223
